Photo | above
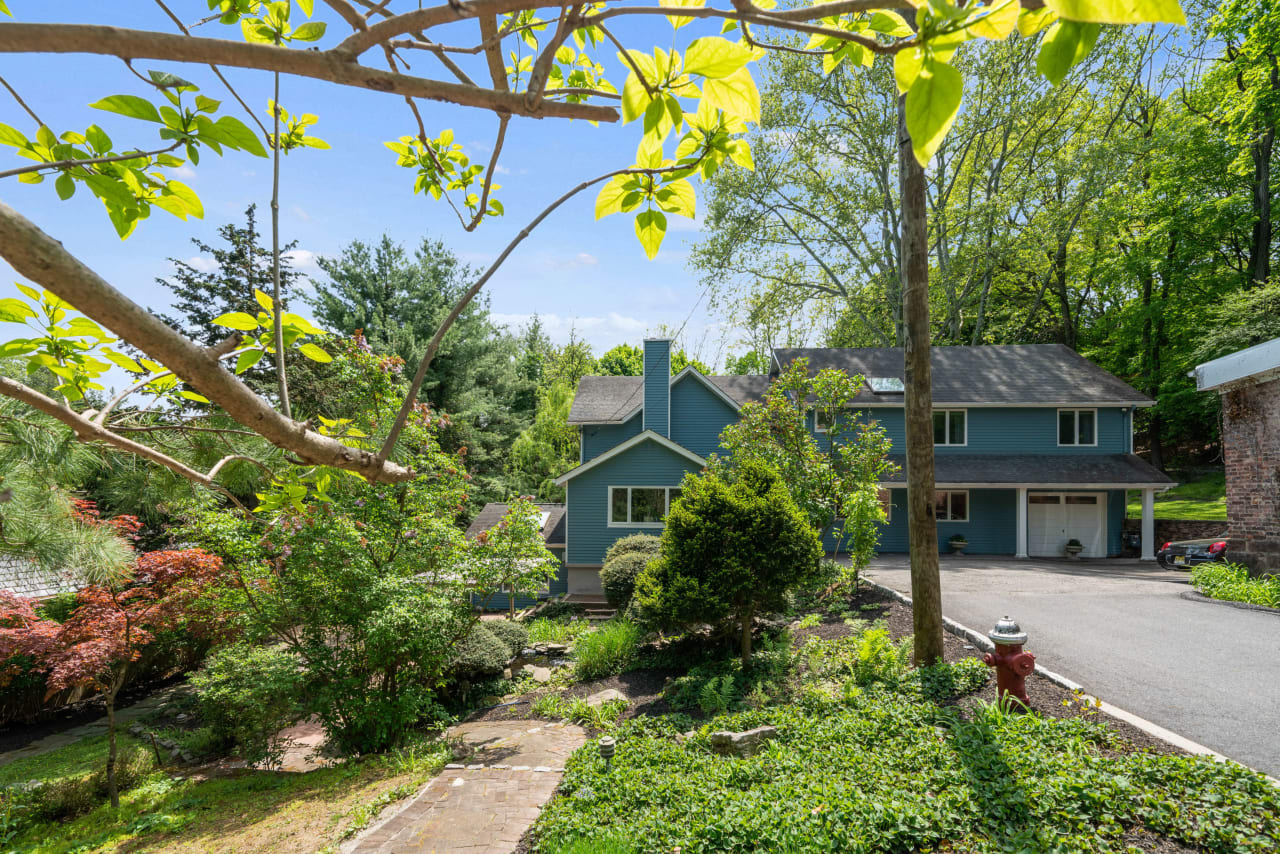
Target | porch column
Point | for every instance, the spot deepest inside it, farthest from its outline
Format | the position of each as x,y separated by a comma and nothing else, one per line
1148,524
1022,522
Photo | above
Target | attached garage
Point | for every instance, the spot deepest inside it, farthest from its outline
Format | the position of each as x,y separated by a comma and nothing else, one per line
1056,518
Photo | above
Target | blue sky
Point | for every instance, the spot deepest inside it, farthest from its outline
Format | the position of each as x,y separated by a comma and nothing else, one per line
572,270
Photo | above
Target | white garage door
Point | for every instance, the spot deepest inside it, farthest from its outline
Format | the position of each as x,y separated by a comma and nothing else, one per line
1053,518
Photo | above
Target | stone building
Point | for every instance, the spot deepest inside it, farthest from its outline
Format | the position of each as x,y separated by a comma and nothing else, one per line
1249,382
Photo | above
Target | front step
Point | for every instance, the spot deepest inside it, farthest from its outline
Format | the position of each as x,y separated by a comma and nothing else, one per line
600,615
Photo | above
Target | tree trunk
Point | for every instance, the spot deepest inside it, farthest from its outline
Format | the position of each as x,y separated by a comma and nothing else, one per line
113,790
926,585
748,618
1260,242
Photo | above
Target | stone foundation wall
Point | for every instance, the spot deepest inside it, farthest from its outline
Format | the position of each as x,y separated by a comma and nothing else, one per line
1251,446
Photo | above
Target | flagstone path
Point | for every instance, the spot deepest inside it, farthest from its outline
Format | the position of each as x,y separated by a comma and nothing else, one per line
486,805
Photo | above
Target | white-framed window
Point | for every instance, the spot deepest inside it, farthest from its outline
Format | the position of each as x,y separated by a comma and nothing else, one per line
822,421
640,506
1077,427
951,505
950,427
886,504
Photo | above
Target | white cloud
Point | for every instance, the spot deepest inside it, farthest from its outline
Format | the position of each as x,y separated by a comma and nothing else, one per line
203,264
184,173
300,212
303,260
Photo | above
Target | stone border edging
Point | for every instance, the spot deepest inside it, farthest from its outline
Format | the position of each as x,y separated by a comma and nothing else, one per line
1197,596
1165,735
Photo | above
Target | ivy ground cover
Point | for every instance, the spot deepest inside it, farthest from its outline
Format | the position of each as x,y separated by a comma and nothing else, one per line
887,771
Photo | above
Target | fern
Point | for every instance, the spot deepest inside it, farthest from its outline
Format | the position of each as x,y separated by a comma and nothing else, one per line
718,695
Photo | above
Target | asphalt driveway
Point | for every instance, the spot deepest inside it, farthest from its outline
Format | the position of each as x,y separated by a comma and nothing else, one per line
1206,671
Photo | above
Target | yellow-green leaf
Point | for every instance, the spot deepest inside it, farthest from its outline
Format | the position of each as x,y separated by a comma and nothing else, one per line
651,227
247,360
191,395
891,23
932,104
1119,11
678,21
1032,21
1066,43
906,68
294,321
123,361
14,310
30,292
263,300
715,57
678,198
237,320
736,95
129,105
997,20
609,199
314,353
635,98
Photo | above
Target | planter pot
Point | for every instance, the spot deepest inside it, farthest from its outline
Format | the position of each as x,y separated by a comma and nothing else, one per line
1073,553
958,548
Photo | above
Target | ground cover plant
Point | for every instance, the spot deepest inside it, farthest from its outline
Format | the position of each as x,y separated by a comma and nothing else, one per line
1232,582
606,650
552,630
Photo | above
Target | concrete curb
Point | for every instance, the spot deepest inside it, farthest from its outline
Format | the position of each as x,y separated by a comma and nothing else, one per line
984,643
1196,596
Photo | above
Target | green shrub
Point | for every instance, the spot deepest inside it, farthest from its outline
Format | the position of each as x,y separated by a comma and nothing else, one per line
645,544
558,609
618,576
734,545
1232,582
578,710
606,650
514,635
247,694
944,682
548,630
480,653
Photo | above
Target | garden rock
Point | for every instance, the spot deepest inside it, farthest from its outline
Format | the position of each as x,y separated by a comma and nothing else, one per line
539,674
742,743
599,698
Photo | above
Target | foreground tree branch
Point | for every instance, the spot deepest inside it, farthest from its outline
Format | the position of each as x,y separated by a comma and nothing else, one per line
43,260
335,66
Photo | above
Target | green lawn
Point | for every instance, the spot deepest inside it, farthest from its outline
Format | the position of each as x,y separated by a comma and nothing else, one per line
230,811
1197,499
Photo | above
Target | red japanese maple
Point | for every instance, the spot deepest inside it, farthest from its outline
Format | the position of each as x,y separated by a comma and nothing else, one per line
110,627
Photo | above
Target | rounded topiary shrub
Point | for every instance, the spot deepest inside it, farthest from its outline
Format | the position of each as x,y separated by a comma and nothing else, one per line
618,576
480,653
643,543
514,635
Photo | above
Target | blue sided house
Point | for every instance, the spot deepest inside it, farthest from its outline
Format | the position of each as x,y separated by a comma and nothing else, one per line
1033,447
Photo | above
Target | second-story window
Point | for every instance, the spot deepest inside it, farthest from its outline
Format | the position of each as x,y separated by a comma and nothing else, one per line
1077,427
822,421
950,427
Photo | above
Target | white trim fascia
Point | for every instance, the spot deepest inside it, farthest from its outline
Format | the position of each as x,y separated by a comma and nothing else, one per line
1087,487
643,436
1077,410
1257,363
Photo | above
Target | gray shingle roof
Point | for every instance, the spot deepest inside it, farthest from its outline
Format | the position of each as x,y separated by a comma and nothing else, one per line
993,374
491,514
612,399
28,579
1037,468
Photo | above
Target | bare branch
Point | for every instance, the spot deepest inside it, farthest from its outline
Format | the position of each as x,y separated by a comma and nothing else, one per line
22,103
45,261
70,164
488,175
334,66
411,395
348,13
492,46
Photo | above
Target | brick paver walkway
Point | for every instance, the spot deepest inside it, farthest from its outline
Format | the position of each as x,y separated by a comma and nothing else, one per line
486,805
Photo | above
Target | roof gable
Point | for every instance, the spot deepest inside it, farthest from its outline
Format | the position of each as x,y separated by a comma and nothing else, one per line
614,400
646,436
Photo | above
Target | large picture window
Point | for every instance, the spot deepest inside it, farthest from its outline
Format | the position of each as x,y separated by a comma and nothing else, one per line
1077,427
950,427
640,506
951,506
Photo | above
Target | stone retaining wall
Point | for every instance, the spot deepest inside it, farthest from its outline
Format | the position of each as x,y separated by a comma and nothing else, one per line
1178,529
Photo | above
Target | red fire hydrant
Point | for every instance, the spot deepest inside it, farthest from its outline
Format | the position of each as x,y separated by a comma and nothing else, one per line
1012,665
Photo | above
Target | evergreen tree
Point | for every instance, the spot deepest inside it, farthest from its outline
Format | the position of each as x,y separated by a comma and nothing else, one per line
242,265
